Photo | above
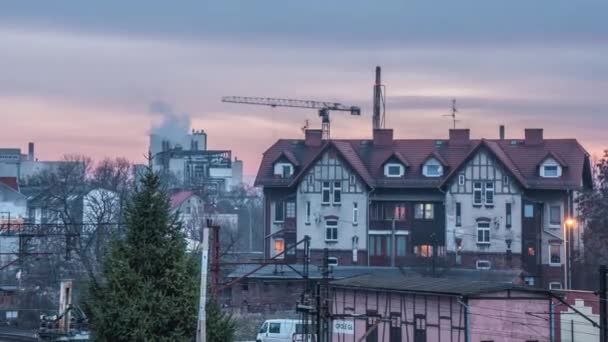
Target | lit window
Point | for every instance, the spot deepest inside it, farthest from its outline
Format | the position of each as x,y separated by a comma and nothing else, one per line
337,192
400,212
483,232
425,251
331,230
279,246
555,215
424,211
555,254
325,191
477,190
489,193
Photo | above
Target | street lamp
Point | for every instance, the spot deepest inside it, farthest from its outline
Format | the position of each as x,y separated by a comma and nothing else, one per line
569,224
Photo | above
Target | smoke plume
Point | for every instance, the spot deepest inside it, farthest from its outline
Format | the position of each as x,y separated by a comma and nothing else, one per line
173,126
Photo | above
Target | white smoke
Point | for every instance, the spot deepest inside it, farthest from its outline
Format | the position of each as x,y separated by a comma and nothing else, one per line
173,126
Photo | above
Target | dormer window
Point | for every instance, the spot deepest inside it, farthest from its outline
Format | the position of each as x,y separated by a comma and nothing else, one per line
550,169
432,168
283,170
394,170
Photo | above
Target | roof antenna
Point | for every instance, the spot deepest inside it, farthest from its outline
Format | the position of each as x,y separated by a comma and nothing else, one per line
454,111
305,127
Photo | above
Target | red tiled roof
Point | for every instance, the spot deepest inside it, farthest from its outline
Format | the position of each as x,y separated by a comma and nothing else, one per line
11,182
367,160
179,197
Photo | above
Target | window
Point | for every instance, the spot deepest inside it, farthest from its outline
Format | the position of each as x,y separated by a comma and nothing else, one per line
555,254
351,180
555,285
400,212
264,328
458,215
483,265
461,179
290,211
337,192
307,212
331,230
400,242
325,190
275,328
424,211
355,213
432,170
483,232
555,215
489,193
505,180
477,193
372,245
425,251
393,170
550,171
279,212
279,246
188,210
286,171
528,211
332,261
508,215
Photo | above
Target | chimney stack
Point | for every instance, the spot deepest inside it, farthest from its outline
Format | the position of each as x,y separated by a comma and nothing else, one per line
313,137
383,137
501,132
533,136
460,136
30,151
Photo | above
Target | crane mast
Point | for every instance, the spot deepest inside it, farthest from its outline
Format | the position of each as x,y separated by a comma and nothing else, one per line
322,106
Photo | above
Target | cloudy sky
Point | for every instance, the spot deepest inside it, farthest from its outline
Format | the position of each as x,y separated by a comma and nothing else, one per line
87,76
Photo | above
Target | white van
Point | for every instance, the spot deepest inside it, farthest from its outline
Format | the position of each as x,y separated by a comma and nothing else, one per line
283,330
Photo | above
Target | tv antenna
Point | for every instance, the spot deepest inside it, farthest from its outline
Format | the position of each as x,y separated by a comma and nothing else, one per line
305,127
453,114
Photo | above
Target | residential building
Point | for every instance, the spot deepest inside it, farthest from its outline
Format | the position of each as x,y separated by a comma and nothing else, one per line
185,162
471,203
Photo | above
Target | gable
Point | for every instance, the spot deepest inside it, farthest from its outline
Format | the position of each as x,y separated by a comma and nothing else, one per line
330,167
483,166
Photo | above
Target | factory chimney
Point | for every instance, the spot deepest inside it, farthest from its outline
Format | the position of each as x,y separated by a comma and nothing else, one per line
501,132
30,151
378,116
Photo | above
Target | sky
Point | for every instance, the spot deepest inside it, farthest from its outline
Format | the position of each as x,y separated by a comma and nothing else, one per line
88,77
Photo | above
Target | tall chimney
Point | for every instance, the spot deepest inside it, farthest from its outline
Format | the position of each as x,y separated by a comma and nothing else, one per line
501,132
533,136
30,151
377,101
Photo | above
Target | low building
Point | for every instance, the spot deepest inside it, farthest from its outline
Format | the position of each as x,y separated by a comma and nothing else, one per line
393,307
570,325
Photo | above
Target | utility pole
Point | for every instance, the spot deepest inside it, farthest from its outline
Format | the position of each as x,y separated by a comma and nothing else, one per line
201,330
603,305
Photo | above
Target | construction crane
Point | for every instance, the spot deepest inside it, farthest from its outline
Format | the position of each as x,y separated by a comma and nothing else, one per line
323,107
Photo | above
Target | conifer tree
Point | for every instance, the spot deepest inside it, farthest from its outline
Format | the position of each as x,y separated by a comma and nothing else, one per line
149,290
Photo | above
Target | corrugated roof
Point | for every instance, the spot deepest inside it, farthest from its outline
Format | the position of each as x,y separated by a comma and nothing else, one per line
430,285
367,160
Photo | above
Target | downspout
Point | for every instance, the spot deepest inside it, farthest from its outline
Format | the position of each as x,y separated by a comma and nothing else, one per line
467,322
367,212
551,321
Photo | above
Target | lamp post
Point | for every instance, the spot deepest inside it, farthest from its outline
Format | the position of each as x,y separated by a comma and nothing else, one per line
569,224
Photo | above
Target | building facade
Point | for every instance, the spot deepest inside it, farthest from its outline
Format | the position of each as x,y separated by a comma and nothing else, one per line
456,202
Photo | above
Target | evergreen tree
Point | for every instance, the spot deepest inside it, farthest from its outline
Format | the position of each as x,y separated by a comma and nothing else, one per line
593,206
220,326
150,286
